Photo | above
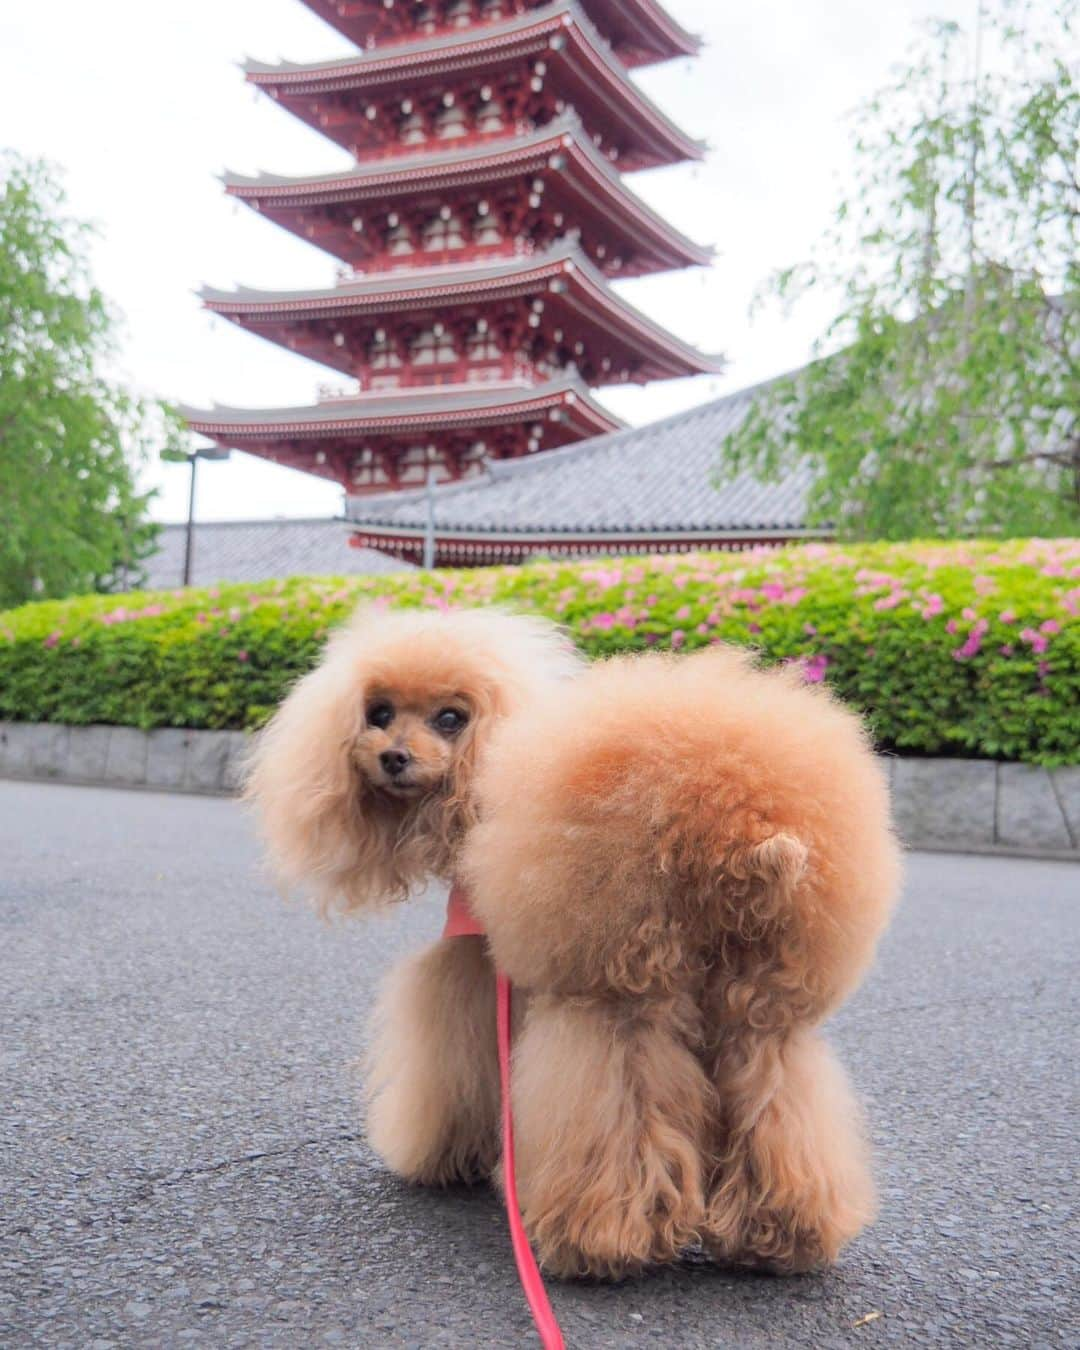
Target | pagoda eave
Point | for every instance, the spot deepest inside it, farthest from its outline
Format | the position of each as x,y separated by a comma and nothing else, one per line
492,548
576,181
375,416
372,443
641,31
580,68
538,301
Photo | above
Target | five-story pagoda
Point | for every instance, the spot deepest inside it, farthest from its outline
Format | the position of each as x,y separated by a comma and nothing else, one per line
479,228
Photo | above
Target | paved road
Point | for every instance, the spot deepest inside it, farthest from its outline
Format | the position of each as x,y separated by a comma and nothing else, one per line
181,1162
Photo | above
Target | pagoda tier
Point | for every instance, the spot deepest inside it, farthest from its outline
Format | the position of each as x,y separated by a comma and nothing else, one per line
477,84
375,444
641,32
476,201
481,224
525,319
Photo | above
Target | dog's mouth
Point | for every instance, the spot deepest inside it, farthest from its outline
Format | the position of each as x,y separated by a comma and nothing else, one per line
403,788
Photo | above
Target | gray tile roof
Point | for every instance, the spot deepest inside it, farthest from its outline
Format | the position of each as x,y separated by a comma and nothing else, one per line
647,479
418,402
261,550
436,277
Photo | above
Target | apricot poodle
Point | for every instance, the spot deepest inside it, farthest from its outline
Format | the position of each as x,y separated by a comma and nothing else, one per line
683,864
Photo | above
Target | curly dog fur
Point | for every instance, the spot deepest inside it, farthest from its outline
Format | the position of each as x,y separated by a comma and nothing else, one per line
684,865
694,876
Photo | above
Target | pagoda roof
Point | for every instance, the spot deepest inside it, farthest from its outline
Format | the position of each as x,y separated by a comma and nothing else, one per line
414,410
641,31
600,74
560,274
650,483
479,163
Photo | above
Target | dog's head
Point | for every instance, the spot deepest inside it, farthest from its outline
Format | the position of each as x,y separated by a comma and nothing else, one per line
363,779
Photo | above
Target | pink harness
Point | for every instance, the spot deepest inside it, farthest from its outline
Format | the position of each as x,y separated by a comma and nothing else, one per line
461,923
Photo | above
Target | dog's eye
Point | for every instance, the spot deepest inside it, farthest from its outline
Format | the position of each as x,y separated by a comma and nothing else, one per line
380,714
449,721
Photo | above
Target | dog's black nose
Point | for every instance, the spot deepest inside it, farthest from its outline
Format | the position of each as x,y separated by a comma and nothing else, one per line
395,761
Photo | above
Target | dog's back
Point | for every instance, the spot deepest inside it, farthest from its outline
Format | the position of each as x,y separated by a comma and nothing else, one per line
702,850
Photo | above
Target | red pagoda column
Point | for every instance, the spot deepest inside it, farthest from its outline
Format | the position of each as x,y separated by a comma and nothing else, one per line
479,228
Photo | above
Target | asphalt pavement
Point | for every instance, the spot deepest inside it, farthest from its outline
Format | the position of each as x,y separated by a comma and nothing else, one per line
182,1161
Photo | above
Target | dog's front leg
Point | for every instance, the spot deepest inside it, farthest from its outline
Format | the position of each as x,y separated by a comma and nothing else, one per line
432,1071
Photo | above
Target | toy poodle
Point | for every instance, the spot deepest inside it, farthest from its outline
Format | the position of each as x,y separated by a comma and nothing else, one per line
683,863
363,783
687,863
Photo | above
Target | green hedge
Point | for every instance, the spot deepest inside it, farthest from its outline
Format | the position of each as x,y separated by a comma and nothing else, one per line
961,649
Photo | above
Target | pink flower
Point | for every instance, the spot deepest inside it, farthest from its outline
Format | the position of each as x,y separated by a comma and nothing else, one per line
773,590
1007,616
814,668
970,615
52,640
1051,626
753,627
1007,649
973,643
241,656
603,621
952,626
889,601
1044,669
809,630
703,629
934,605
683,612
678,639
1036,641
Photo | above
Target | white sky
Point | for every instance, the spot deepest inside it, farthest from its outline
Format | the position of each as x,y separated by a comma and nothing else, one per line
142,105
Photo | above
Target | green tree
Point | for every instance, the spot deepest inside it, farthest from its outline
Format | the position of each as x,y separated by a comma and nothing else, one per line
944,396
71,515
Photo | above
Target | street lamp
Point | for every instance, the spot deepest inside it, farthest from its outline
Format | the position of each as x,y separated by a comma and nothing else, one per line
192,457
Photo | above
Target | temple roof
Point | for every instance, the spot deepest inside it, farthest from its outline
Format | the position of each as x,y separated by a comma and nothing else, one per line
477,164
394,414
259,550
650,480
558,29
641,31
562,275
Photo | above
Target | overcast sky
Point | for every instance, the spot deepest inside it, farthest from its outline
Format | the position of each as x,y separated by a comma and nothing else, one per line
143,106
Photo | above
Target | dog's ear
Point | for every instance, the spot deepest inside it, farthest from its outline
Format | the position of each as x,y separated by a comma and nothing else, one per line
325,829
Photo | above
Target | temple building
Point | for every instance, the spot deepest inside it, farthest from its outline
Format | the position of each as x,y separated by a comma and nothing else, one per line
479,230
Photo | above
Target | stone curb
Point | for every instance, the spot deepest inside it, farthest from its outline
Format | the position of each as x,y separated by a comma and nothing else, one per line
165,760
967,805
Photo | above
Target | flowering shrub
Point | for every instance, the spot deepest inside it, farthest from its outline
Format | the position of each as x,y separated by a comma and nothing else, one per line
964,649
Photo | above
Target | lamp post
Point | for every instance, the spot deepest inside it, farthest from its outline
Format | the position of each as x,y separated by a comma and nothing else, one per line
192,457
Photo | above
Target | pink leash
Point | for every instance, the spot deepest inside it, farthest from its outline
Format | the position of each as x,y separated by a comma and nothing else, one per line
461,923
